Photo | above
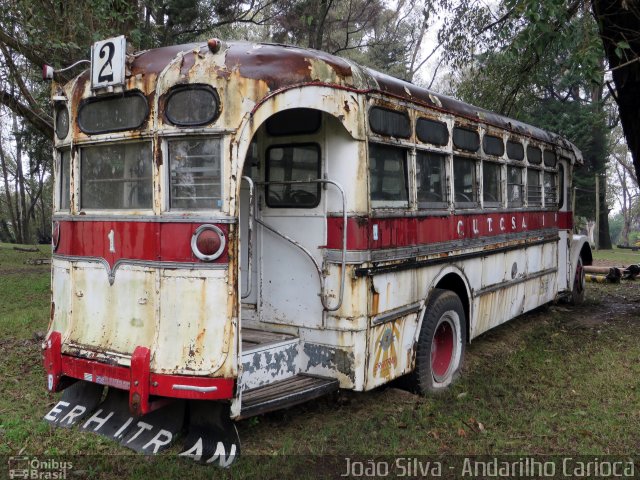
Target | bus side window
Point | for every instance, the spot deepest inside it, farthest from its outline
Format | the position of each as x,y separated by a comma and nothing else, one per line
514,186
550,189
431,180
534,189
293,163
491,184
388,176
464,182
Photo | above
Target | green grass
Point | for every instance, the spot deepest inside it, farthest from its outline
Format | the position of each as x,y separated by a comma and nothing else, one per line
618,256
560,380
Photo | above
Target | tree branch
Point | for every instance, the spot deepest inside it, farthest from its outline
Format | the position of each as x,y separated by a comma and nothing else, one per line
14,104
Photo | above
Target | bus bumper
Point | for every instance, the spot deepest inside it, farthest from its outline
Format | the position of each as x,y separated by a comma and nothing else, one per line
137,379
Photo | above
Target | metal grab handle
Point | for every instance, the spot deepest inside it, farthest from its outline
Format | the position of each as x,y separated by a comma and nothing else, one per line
306,252
250,235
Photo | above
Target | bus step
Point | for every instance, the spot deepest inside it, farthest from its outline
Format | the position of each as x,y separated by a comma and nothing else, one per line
267,358
286,393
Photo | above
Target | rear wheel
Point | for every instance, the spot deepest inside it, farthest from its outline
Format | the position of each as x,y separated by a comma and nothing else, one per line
441,343
579,284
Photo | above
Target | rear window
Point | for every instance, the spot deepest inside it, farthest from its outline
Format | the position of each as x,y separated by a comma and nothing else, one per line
114,113
195,173
116,176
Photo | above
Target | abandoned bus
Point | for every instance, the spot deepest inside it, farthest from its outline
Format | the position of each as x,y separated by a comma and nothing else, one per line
242,227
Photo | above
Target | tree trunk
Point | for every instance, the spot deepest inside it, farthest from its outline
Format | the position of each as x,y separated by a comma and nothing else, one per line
7,191
619,21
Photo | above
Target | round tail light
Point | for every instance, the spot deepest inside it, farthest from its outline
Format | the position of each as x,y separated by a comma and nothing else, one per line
55,235
208,242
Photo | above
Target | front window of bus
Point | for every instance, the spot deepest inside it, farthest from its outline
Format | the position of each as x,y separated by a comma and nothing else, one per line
195,174
116,176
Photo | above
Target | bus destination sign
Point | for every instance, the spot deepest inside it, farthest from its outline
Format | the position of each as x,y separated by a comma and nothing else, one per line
107,62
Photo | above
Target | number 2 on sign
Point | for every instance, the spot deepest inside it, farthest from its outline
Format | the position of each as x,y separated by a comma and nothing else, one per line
112,243
107,50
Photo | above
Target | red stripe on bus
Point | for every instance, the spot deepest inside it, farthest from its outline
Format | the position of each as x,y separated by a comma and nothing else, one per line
411,231
150,241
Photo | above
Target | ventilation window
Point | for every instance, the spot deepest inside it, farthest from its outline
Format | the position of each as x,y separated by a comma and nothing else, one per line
389,122
113,113
192,105
534,155
515,150
550,159
431,131
466,139
493,145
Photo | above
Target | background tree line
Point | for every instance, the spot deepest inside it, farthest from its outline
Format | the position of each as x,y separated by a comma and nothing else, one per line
570,66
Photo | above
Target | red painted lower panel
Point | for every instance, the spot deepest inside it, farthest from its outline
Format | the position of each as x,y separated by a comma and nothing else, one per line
114,240
410,231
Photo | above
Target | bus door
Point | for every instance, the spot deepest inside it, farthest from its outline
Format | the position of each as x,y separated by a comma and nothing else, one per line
290,226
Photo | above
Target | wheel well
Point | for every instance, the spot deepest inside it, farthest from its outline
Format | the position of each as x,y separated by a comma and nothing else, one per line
585,253
453,282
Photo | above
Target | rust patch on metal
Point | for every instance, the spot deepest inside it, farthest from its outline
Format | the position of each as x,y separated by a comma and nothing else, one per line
154,61
188,61
280,66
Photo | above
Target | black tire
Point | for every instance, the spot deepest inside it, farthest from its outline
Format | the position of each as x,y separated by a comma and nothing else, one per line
579,284
443,326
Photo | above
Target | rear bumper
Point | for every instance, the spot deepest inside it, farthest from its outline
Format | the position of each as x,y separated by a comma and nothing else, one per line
137,379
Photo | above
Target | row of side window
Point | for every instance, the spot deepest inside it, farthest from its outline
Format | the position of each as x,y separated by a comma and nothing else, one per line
389,181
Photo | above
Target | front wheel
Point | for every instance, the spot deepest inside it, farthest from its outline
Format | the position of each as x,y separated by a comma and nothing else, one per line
441,343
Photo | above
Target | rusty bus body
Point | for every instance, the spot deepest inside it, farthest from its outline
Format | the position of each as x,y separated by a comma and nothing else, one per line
336,213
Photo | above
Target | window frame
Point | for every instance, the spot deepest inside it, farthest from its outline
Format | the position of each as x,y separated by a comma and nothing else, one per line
540,186
80,204
167,183
424,205
475,203
60,184
521,201
318,148
500,201
392,204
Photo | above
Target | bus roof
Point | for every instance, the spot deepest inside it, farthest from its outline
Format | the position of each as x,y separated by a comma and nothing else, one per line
284,66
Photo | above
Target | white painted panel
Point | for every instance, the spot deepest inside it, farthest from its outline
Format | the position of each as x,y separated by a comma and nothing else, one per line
117,317
61,298
195,324
290,286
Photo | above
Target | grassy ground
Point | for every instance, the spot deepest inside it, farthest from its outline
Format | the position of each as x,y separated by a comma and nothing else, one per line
617,257
559,380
